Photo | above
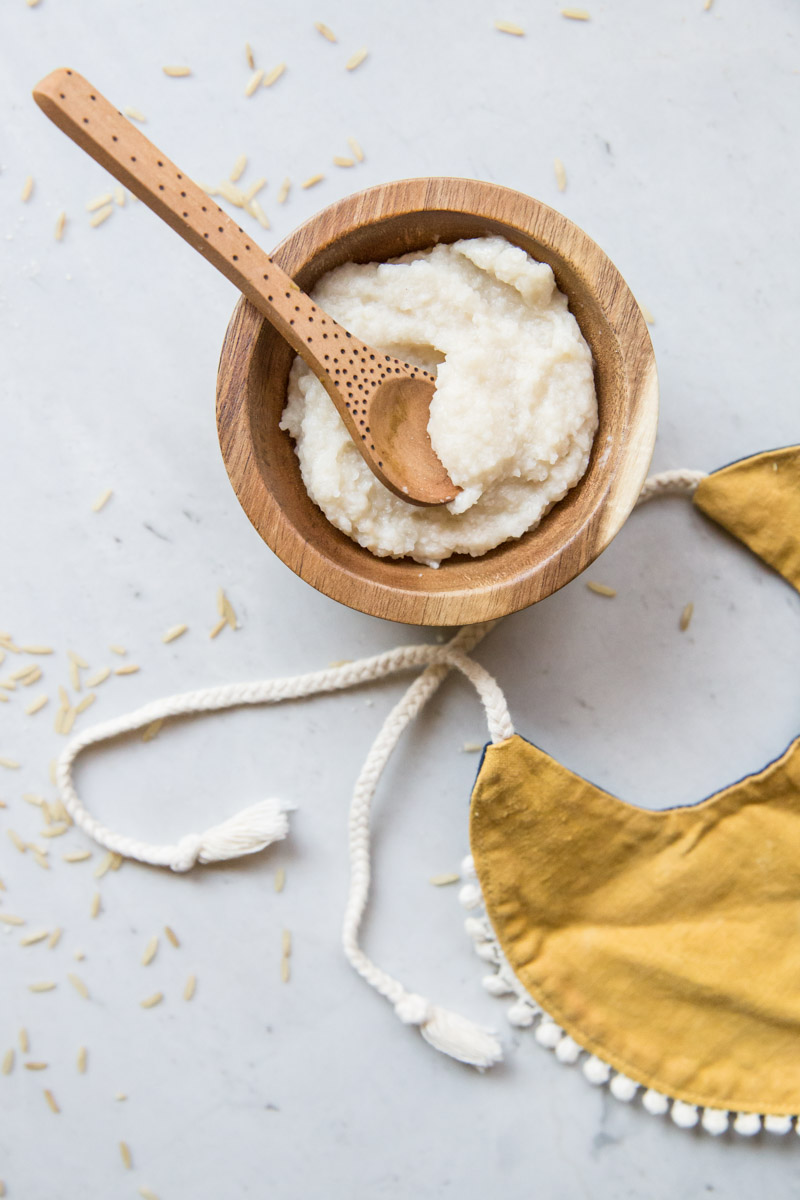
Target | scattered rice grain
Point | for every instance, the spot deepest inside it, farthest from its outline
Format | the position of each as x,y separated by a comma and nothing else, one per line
40,860
98,677
52,1103
356,59
152,730
37,649
471,747
254,83
11,918
54,939
68,720
27,189
119,197
648,316
601,589
117,649
508,27
32,798
190,987
45,986
85,703
280,879
177,72
238,168
231,193
312,180
153,1000
10,764
24,1040
286,943
218,628
134,114
172,936
36,1066
283,190
104,866
575,14
274,75
80,1062
146,1194
339,160
8,1061
61,221
686,617
128,669
31,939
94,911
355,147
175,632
36,705
325,30
225,609
125,1155
255,210
707,5
76,856
98,219
561,174
57,829
79,985
99,202
104,497
150,951
17,840
248,55
444,880
254,189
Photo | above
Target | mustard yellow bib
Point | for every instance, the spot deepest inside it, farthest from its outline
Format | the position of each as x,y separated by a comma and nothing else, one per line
667,944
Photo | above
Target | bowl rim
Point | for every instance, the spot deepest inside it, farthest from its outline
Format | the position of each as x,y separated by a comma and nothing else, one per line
533,220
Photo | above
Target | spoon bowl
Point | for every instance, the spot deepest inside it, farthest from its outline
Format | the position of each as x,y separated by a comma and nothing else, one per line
384,223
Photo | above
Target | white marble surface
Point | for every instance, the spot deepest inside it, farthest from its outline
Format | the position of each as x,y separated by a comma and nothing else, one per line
678,131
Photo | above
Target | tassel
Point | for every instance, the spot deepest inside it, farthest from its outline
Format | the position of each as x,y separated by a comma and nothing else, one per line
247,832
450,1033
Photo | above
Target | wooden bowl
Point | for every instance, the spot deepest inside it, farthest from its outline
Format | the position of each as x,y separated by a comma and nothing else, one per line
379,224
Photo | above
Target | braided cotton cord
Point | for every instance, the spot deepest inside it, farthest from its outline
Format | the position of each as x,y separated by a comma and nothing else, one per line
256,827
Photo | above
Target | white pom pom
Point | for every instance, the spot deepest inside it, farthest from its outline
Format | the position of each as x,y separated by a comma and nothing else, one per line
487,951
623,1088
684,1115
477,929
747,1124
470,895
568,1051
596,1071
521,1014
778,1124
468,868
655,1103
548,1034
715,1121
496,985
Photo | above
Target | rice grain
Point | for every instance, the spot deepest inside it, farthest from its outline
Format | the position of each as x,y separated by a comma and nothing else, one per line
356,59
134,114
686,617
31,939
11,918
238,168
153,1000
36,1066
99,202
8,1061
61,221
248,56
125,1155
218,628
575,14
80,1061
54,939
172,937
94,910
312,180
255,210
177,72
85,703
561,174
104,866
79,985
280,879
104,497
27,189
190,987
152,730
128,669
325,30
57,829
76,856
444,880
10,764
601,589
646,313
119,197
98,219
36,705
151,949
24,1040
508,27
254,83
274,75
93,681
52,1104
46,985
175,632
17,840
356,148
283,190
339,160
471,747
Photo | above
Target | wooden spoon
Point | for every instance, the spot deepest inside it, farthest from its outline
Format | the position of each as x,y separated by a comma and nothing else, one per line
383,402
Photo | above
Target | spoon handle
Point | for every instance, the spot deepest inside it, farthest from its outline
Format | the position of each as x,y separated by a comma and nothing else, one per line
89,119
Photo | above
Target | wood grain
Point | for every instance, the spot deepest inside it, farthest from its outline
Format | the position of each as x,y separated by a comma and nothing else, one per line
384,403
379,224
